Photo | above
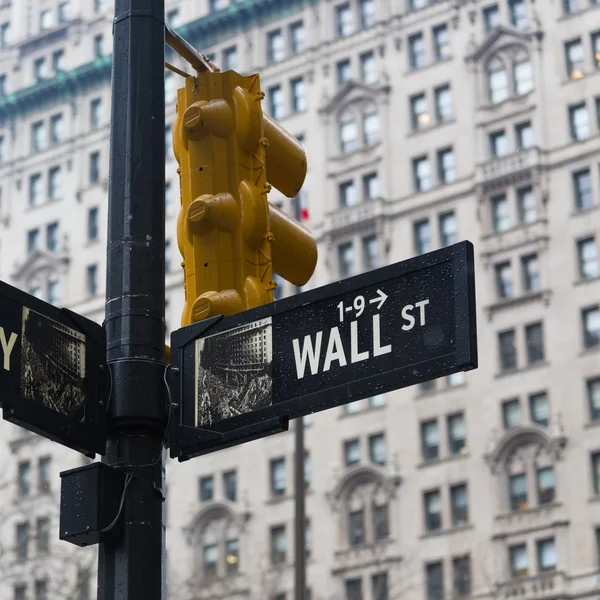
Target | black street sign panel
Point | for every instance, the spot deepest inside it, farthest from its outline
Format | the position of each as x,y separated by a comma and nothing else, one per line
390,328
52,374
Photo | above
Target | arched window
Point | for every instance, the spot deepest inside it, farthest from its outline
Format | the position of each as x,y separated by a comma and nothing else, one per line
523,76
371,126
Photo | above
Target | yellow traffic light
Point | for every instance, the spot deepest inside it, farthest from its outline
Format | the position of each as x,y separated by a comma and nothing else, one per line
230,237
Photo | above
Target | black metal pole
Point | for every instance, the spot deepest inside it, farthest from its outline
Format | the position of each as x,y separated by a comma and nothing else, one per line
299,487
131,565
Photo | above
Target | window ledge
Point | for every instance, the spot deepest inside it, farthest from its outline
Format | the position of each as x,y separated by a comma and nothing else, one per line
362,411
518,227
451,530
586,280
445,459
435,392
360,150
435,126
529,510
585,211
589,351
566,16
537,365
591,424
543,295
429,65
513,98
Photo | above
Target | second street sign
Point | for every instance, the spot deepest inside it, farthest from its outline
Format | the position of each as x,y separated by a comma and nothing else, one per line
390,328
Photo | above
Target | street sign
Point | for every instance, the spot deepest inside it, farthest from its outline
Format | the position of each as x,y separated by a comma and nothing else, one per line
52,374
242,375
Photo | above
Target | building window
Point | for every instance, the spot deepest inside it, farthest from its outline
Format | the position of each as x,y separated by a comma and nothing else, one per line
217,5
593,393
368,68
52,236
500,213
230,485
371,189
523,77
348,135
99,45
422,235
276,104
546,551
531,273
572,6
459,502
422,174
351,452
524,133
579,122
534,340
207,488
346,260
441,42
5,37
430,439
22,535
56,129
210,559
508,350
419,113
46,19
230,58
517,485
499,143
174,18
370,252
545,485
461,576
36,191
347,191
352,407
354,589
504,284
448,229
379,586
275,46
38,136
446,165
54,183
92,222
518,13
371,128
511,413
43,535
232,556
278,477
575,58
58,61
596,48
44,464
416,50
92,280
377,450
24,478
591,327
433,510
518,560
596,472
538,407
41,589
367,13
457,433
53,294
297,37
377,401
33,239
443,103
380,521
20,592
582,184
497,85
307,462
96,113
298,94
527,205
94,167
64,11
491,17
455,379
343,71
434,574
343,20
167,256
170,88
587,253
278,545
356,527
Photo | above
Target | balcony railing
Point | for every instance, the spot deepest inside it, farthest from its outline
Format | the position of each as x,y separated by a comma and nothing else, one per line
509,167
356,215
545,586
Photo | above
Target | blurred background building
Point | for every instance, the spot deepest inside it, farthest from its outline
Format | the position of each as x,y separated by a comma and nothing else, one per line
425,123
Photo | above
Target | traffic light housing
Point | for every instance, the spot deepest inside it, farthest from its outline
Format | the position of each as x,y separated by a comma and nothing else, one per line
230,237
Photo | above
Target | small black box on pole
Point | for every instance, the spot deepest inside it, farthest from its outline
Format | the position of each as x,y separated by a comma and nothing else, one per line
90,501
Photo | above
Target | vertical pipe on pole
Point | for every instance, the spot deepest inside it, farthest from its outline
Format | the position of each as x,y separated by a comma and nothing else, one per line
131,563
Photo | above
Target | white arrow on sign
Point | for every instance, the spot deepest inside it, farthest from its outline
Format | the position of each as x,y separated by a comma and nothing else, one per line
381,298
